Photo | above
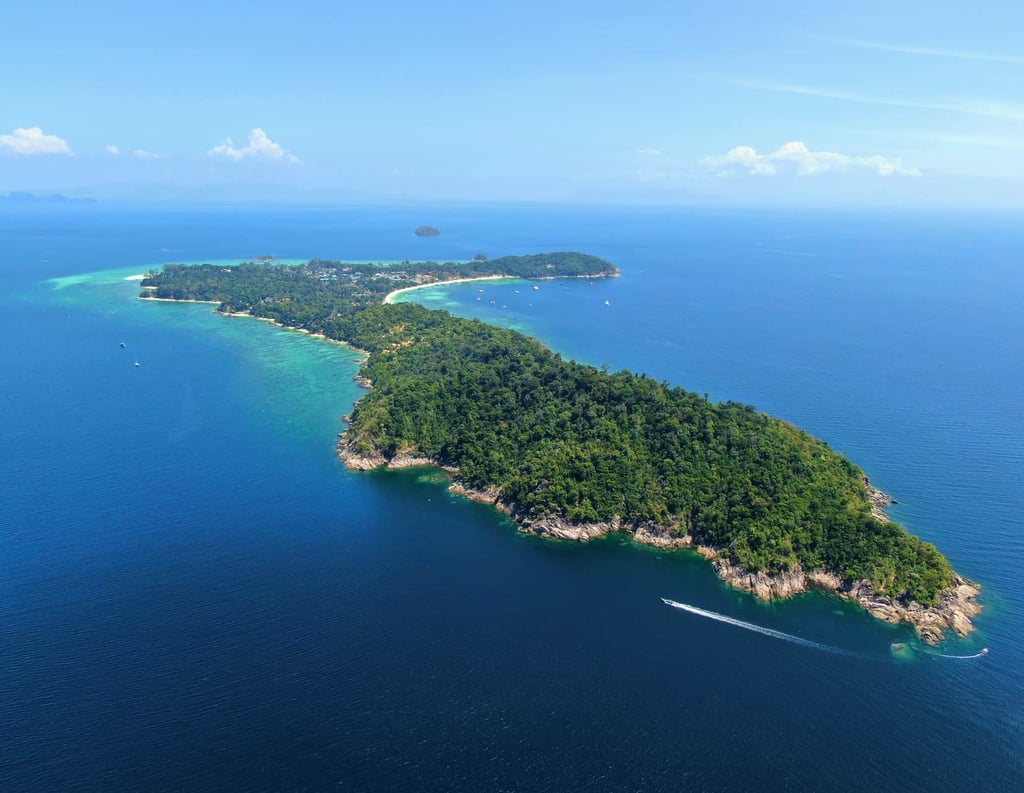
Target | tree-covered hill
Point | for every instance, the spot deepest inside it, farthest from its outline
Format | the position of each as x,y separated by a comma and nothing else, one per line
557,438
322,290
560,438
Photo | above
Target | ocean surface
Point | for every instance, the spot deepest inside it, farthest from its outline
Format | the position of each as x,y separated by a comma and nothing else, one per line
196,595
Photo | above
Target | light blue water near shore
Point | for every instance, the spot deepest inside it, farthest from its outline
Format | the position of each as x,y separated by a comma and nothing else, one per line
196,594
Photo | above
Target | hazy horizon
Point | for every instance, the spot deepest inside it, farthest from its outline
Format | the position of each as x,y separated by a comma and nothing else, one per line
747,104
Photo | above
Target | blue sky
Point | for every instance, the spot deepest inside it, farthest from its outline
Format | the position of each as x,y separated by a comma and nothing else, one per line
737,103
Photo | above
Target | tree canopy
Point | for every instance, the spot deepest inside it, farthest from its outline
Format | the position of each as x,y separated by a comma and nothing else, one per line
558,438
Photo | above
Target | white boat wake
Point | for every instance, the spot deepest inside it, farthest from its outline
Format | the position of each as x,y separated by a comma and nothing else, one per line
749,626
788,637
984,652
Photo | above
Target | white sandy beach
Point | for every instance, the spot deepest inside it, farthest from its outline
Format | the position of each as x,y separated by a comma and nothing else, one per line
389,298
176,300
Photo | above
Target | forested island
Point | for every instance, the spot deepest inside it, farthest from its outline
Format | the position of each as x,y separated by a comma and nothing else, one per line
573,452
426,231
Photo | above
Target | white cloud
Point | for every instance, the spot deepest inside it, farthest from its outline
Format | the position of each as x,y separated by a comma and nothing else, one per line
743,157
142,154
34,141
796,158
650,152
260,147
112,150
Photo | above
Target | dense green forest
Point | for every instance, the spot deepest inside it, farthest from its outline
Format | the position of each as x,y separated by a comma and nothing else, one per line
323,289
560,438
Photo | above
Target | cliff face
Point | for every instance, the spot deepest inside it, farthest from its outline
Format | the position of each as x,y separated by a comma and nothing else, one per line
956,606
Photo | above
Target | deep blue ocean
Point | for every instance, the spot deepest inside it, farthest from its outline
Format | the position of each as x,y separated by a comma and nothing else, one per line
196,595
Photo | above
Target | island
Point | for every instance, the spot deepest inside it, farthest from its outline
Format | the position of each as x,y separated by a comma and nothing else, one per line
572,452
52,198
426,231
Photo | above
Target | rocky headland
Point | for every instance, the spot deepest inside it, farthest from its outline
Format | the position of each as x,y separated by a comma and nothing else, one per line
956,607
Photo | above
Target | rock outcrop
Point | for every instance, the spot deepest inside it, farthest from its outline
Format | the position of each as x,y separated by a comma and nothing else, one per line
489,496
661,537
408,461
360,462
879,501
764,586
557,528
956,606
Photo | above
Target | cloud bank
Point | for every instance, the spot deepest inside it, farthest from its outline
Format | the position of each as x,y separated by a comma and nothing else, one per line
32,140
796,158
260,147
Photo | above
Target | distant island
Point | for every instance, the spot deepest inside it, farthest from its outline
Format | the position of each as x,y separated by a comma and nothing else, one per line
573,452
52,198
426,231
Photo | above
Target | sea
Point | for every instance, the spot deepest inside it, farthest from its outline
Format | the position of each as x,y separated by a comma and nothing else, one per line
196,595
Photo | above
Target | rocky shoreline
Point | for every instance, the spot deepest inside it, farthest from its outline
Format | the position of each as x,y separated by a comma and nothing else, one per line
956,606
879,501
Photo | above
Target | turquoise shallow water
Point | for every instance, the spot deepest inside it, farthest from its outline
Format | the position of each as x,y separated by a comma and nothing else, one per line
197,595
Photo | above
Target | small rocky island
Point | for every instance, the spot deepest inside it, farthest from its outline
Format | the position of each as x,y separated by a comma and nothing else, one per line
426,231
572,452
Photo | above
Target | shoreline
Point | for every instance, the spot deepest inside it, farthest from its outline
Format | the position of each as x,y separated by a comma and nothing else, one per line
957,603
390,296
956,606
274,322
271,320
176,300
